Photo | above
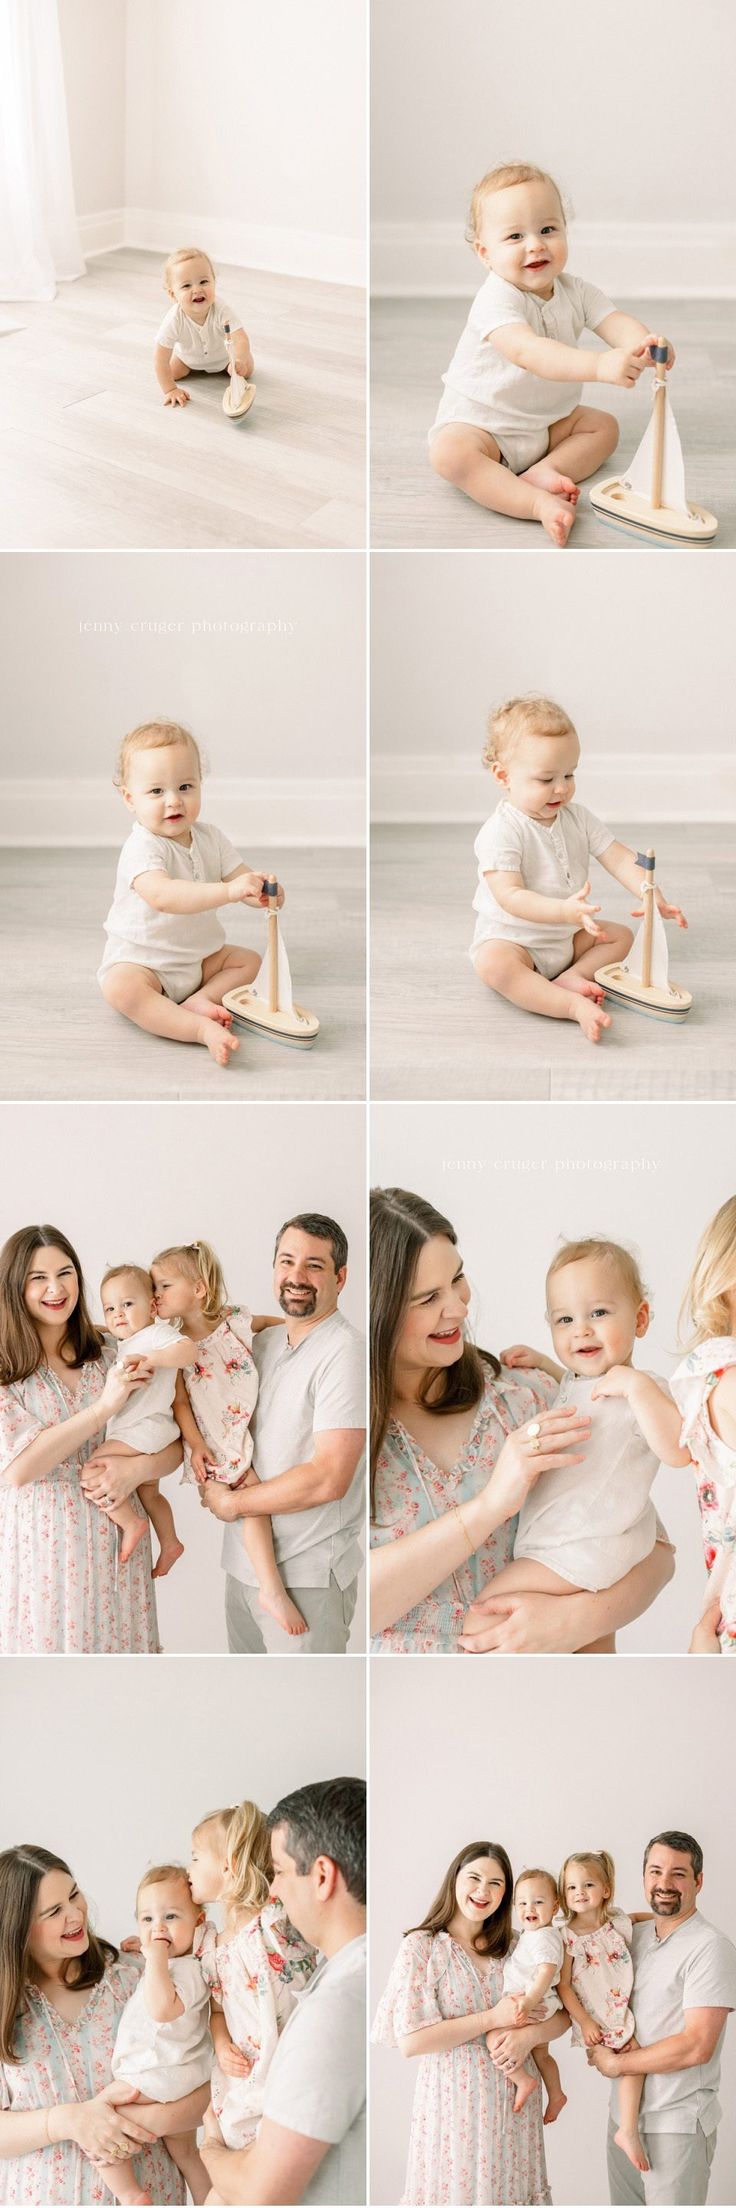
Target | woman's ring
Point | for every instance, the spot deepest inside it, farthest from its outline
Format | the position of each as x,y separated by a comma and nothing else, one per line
533,1433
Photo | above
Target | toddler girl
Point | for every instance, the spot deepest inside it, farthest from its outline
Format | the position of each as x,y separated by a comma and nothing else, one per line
166,964
530,1978
704,1388
537,938
163,2044
193,334
510,430
216,1396
597,1978
255,1967
146,1422
585,1525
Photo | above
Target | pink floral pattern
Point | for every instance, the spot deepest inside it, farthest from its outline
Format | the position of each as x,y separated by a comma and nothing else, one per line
603,1976
62,1589
63,2061
223,1389
715,1467
411,1491
256,1980
467,2149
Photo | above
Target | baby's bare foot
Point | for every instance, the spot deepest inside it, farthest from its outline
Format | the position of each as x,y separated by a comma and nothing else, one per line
556,2103
549,478
525,2087
280,1606
556,516
200,1002
630,2144
131,1537
579,985
218,1041
168,1555
591,1018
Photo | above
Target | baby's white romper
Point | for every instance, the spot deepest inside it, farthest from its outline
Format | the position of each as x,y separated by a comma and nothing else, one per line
553,861
483,388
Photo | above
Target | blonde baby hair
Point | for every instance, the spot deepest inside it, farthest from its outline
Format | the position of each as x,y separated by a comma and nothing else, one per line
537,1872
158,1875
247,1845
528,716
188,253
602,1864
625,1262
501,179
136,1272
197,1261
148,737
705,1308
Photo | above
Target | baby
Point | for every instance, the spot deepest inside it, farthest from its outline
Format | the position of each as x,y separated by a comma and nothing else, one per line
583,1526
146,1422
193,334
166,964
510,429
537,937
163,2045
530,1977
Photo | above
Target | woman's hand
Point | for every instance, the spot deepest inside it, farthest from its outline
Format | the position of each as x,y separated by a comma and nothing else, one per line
108,1481
518,1625
555,1438
512,2047
121,1382
105,2128
230,2059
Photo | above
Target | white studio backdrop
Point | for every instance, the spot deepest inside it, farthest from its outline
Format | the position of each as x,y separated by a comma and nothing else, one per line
647,678
125,1180
263,658
244,130
514,1179
606,1758
112,1764
484,83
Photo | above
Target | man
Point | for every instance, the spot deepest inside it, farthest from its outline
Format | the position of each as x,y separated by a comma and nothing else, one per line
684,1989
309,1453
310,2144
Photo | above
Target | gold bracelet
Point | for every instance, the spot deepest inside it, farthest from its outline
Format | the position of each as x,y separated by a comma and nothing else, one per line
457,1513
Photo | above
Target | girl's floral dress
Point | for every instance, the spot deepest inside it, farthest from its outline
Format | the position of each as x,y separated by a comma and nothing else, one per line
715,1465
466,2145
411,1491
61,2061
223,1388
62,1589
603,1976
255,1980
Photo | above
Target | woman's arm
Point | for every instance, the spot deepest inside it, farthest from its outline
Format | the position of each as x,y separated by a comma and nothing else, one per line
559,1625
67,1435
509,2048
454,2031
100,2126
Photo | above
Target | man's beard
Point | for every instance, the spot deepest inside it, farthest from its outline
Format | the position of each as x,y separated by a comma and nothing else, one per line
303,1304
667,1905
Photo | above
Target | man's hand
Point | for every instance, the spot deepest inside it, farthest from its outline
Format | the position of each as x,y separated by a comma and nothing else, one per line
604,2059
212,2130
222,1501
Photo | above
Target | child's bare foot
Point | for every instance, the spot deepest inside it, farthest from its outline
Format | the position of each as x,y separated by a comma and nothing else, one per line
168,1555
525,2087
132,1534
557,2101
556,516
591,1018
200,1002
218,1041
280,1606
549,478
580,985
630,2144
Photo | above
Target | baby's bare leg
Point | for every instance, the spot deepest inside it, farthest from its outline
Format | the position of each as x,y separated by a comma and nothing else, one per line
470,458
136,992
184,2153
588,956
629,2100
125,1515
556,2099
121,2181
510,970
581,441
258,1545
159,1510
229,968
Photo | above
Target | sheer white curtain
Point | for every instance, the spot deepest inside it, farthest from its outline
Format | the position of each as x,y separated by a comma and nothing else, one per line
39,239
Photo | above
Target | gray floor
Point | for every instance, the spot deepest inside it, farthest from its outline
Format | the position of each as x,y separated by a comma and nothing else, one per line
61,1040
90,456
412,342
437,1032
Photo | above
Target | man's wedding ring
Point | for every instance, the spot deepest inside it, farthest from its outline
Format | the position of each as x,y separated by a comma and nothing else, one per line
533,1432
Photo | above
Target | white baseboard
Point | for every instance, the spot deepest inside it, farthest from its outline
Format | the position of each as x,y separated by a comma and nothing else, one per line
308,253
253,812
101,233
618,786
634,260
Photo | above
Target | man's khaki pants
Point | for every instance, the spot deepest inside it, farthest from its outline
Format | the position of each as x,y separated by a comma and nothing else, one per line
679,2172
328,1612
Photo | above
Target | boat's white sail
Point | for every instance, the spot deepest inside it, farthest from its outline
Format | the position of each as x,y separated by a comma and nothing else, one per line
261,984
638,475
660,956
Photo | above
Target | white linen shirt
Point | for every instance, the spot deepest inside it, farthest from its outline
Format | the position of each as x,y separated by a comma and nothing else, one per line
200,344
303,1392
540,1944
167,940
316,2083
167,2061
552,860
519,399
694,1968
146,1422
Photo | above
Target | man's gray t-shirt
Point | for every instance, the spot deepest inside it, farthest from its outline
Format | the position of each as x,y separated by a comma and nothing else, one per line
316,2083
694,1968
303,1392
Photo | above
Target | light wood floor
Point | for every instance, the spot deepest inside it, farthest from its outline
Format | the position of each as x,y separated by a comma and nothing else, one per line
437,1032
412,342
90,456
61,1040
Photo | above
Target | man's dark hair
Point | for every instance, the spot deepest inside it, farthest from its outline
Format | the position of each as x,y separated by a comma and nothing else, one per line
325,1230
682,1842
326,1819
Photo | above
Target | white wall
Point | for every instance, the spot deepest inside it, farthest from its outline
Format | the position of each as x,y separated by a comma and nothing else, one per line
155,1747
123,1181
93,48
262,657
513,1179
646,674
607,1756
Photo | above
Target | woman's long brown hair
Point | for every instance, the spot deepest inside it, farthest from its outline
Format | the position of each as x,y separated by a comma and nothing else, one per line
400,1225
495,1933
21,1872
20,1346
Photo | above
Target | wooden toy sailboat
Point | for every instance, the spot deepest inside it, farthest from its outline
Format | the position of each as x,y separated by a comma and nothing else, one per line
267,1005
239,395
641,982
651,495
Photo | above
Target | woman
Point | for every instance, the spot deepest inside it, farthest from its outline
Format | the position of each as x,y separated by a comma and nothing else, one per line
456,1444
62,1992
61,1587
466,2143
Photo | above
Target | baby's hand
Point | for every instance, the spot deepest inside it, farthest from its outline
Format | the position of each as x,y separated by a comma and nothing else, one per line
234,2064
592,2034
616,1382
623,364
577,913
177,397
520,1357
250,889
653,339
670,912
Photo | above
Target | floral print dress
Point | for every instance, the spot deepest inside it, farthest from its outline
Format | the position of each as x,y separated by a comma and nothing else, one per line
466,2144
602,1977
223,1389
255,1980
62,1589
60,2061
411,1491
715,1465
